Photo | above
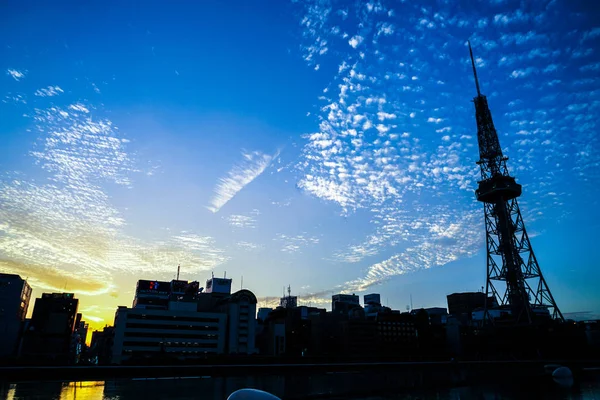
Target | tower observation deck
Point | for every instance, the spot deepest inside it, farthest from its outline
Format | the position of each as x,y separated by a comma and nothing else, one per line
514,277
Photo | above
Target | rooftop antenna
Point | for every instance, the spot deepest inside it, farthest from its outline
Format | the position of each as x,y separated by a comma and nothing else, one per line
474,70
213,274
178,268
225,274
289,291
411,305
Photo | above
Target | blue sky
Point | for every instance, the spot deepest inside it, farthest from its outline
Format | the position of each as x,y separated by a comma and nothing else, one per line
327,145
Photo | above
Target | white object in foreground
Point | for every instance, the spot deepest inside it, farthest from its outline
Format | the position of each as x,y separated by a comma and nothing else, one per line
563,376
251,394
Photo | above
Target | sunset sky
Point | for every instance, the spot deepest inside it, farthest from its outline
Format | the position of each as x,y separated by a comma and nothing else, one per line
327,145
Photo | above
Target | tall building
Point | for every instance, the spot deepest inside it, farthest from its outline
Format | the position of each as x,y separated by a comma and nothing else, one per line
218,286
240,309
78,342
344,302
15,294
140,333
288,301
373,299
263,313
178,320
101,345
152,295
50,330
514,276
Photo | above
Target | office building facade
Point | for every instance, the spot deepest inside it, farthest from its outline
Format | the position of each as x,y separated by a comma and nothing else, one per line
180,320
141,332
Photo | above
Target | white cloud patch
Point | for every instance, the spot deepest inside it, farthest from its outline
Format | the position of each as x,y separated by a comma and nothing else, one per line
16,74
242,174
63,230
355,41
295,243
49,91
243,221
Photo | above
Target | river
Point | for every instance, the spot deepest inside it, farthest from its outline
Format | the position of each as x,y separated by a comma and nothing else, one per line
289,387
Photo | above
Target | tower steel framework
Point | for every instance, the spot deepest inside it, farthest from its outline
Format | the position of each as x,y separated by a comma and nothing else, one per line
514,277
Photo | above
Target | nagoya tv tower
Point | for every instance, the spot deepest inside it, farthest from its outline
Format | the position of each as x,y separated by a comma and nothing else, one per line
514,277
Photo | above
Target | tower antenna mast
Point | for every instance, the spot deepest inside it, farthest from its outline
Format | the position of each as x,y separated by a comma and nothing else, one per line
514,277
474,70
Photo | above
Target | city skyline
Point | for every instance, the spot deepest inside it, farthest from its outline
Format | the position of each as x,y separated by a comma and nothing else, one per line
326,145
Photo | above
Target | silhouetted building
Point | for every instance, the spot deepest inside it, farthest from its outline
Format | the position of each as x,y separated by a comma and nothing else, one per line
288,301
373,299
240,309
289,331
78,342
49,333
152,295
101,345
344,302
15,294
462,305
436,315
263,313
397,334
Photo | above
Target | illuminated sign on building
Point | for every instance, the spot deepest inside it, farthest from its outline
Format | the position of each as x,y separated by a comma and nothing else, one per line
153,287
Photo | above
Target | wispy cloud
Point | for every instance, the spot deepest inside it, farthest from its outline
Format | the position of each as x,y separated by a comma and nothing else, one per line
252,165
249,246
294,244
243,221
49,91
64,232
15,74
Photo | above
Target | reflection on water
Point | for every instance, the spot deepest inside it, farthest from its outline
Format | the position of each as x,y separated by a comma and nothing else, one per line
288,387
55,391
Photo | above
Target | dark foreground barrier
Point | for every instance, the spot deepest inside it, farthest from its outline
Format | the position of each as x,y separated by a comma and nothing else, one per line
407,374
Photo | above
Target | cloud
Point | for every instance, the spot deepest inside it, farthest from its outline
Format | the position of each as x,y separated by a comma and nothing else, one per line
385,29
243,221
591,34
523,73
590,67
63,231
56,280
15,74
294,244
242,174
355,41
249,246
49,91
516,17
